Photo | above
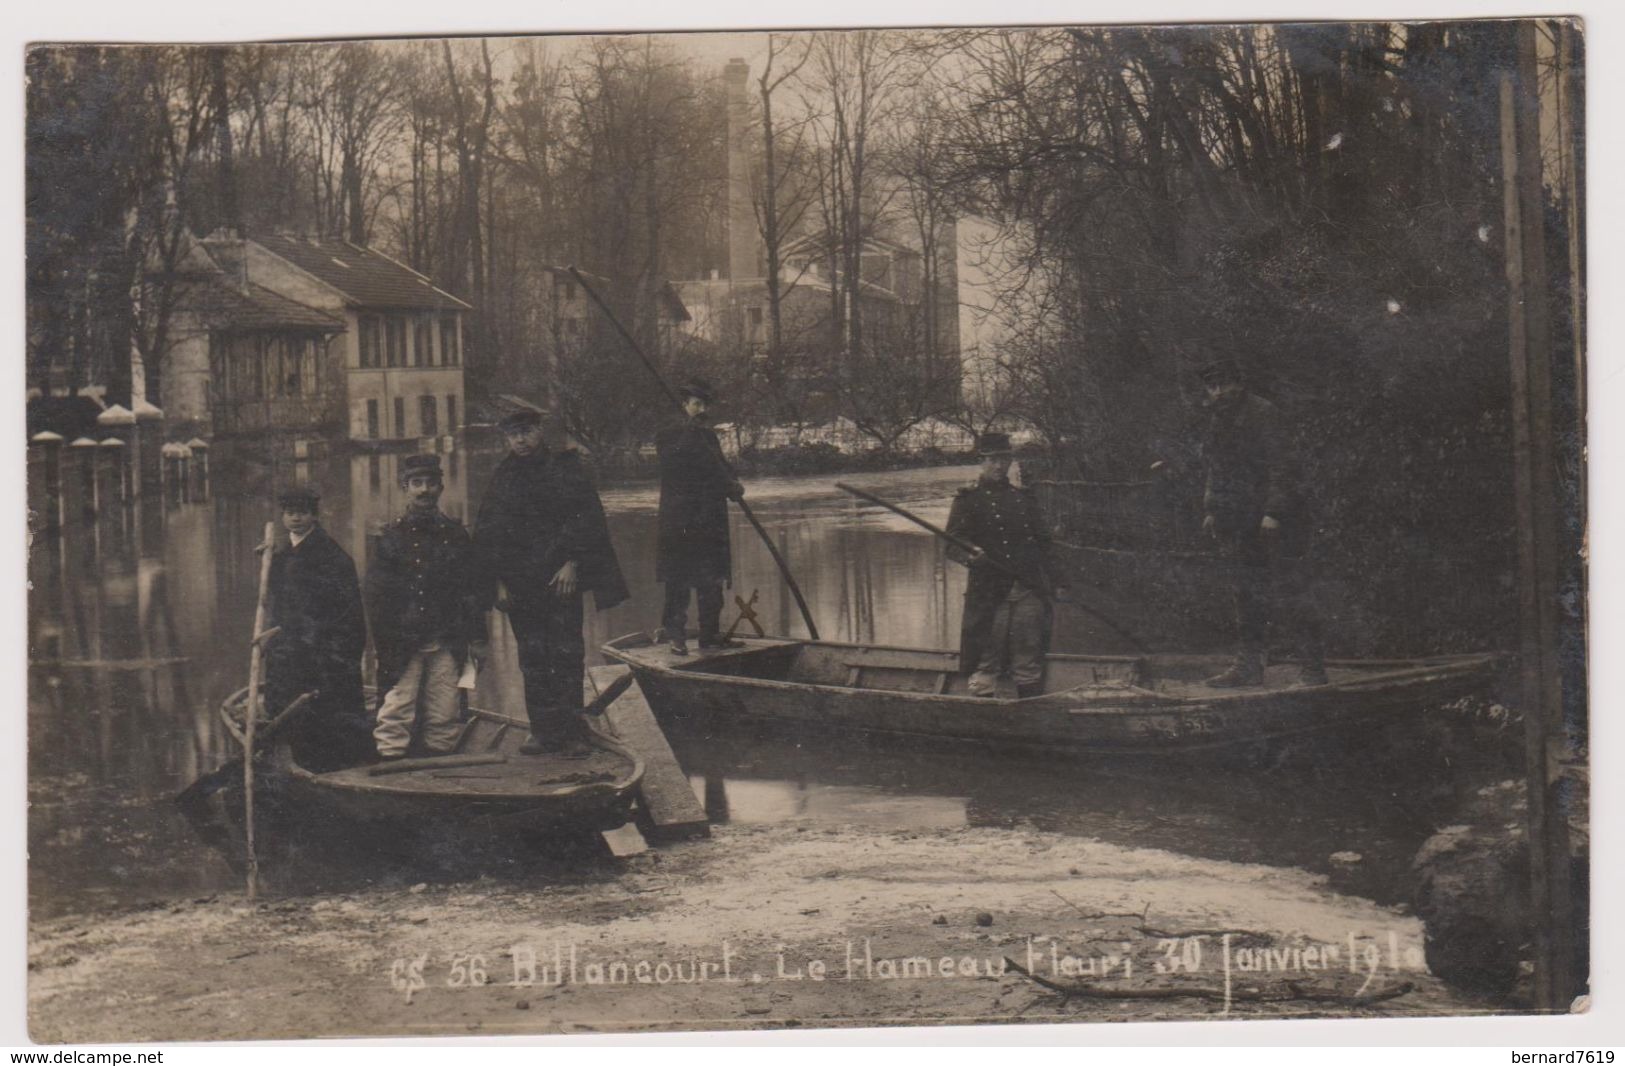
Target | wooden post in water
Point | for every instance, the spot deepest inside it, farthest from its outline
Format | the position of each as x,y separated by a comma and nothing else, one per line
1538,502
256,662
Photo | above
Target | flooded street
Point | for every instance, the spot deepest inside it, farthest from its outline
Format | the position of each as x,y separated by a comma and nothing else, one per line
137,632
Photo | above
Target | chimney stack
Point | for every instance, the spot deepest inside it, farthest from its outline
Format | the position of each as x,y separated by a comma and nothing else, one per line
743,234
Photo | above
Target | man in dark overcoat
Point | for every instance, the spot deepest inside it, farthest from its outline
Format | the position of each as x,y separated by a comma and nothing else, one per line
423,602
692,552
314,601
1254,505
1014,580
543,542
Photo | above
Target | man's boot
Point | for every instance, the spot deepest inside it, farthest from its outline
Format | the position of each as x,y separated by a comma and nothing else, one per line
1245,672
1312,673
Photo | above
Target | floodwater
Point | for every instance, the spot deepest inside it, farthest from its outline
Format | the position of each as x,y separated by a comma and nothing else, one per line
139,616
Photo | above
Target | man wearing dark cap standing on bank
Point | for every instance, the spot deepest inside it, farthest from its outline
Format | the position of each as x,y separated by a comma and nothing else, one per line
543,543
1254,506
314,604
692,553
423,603
1014,580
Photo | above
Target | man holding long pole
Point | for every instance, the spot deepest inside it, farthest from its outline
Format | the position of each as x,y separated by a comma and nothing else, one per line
722,463
1009,598
692,553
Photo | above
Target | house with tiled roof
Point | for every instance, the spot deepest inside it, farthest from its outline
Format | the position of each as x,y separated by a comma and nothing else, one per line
315,337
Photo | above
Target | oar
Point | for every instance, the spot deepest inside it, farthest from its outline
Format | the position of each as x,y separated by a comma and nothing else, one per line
255,662
992,560
744,508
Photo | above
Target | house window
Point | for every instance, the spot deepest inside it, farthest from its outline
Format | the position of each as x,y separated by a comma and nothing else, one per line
372,419
368,330
753,316
422,341
311,371
395,341
426,417
400,416
451,352
451,413
287,362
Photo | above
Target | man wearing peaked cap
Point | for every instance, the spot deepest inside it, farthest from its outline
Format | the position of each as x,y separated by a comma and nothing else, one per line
314,604
423,603
1013,576
543,543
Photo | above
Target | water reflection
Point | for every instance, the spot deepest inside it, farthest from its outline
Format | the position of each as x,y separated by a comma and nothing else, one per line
140,610
141,605
1298,814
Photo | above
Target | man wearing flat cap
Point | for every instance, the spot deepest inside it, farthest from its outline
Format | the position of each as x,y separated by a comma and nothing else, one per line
314,603
1014,580
1254,507
424,605
692,551
543,543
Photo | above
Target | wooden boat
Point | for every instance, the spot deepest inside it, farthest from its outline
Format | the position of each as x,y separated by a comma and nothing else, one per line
485,785
1115,703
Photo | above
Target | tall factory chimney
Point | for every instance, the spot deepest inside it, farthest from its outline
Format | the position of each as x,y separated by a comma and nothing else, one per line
744,237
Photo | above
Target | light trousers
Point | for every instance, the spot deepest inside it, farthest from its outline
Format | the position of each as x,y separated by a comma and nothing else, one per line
1016,643
429,684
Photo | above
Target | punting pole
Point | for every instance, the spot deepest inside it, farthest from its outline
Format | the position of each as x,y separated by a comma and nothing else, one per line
744,508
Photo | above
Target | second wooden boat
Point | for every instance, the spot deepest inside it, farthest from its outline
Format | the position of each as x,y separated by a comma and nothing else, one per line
1151,703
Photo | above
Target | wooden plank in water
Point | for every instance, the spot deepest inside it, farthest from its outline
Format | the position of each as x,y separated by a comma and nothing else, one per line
668,809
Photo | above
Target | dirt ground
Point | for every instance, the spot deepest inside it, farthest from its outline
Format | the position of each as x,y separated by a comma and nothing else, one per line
908,927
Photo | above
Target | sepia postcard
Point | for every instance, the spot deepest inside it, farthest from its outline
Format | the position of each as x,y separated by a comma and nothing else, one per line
803,530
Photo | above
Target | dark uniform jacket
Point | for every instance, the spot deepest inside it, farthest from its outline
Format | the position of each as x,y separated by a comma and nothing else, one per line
315,599
692,545
540,512
1249,462
1003,521
422,588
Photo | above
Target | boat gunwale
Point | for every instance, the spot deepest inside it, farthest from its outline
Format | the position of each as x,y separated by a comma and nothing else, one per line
622,785
1124,700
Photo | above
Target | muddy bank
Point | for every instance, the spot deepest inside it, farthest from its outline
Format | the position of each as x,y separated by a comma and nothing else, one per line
735,932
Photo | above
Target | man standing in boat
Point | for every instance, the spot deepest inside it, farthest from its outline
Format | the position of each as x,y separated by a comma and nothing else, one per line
1014,581
424,605
1254,507
314,603
692,553
543,543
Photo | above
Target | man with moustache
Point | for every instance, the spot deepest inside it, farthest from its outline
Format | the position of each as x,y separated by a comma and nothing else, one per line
423,602
543,542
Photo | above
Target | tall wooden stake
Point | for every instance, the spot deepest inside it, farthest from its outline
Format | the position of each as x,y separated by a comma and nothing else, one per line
1540,549
256,659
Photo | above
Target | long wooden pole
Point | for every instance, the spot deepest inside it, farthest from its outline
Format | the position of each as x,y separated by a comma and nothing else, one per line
993,560
1537,504
744,508
252,707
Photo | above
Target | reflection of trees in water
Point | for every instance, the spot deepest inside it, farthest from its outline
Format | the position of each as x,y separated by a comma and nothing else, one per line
1295,816
175,576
